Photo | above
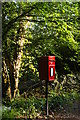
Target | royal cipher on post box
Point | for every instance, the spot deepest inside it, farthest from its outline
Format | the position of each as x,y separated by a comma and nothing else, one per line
47,68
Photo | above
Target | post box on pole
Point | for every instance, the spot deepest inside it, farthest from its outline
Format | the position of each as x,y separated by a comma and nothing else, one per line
47,72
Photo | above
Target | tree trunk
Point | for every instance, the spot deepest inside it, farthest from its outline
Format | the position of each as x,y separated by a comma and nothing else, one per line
17,62
14,67
17,67
6,81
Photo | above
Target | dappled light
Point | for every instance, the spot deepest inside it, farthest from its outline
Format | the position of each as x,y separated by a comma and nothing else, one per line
31,30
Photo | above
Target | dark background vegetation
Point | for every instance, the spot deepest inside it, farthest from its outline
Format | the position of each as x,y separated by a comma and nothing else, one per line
31,30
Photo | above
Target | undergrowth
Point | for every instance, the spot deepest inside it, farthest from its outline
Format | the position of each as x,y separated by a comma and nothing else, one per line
32,106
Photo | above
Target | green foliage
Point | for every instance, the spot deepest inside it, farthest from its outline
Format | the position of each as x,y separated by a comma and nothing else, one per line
57,101
25,106
52,29
63,99
47,29
6,114
19,103
31,106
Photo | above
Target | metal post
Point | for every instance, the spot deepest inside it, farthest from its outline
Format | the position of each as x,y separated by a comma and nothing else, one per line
47,113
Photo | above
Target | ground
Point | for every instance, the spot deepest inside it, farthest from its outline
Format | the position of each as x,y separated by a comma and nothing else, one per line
63,115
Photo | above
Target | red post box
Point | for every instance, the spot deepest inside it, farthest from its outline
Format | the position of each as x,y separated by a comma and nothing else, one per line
47,68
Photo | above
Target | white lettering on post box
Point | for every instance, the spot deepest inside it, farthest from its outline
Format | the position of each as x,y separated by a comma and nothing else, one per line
51,71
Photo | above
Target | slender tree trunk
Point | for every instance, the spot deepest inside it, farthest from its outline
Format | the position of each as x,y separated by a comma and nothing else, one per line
17,67
17,62
10,66
6,81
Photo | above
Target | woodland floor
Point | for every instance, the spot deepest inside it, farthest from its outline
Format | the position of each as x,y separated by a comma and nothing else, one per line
59,115
67,114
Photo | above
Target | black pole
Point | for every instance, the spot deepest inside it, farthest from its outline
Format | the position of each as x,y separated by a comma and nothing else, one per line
47,113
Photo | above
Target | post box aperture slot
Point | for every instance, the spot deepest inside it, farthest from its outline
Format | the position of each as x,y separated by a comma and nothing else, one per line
51,71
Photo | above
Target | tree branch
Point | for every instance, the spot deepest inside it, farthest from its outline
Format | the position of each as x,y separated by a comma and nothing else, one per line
31,20
11,23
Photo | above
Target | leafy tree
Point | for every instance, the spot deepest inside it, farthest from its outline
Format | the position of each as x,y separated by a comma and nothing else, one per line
31,30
